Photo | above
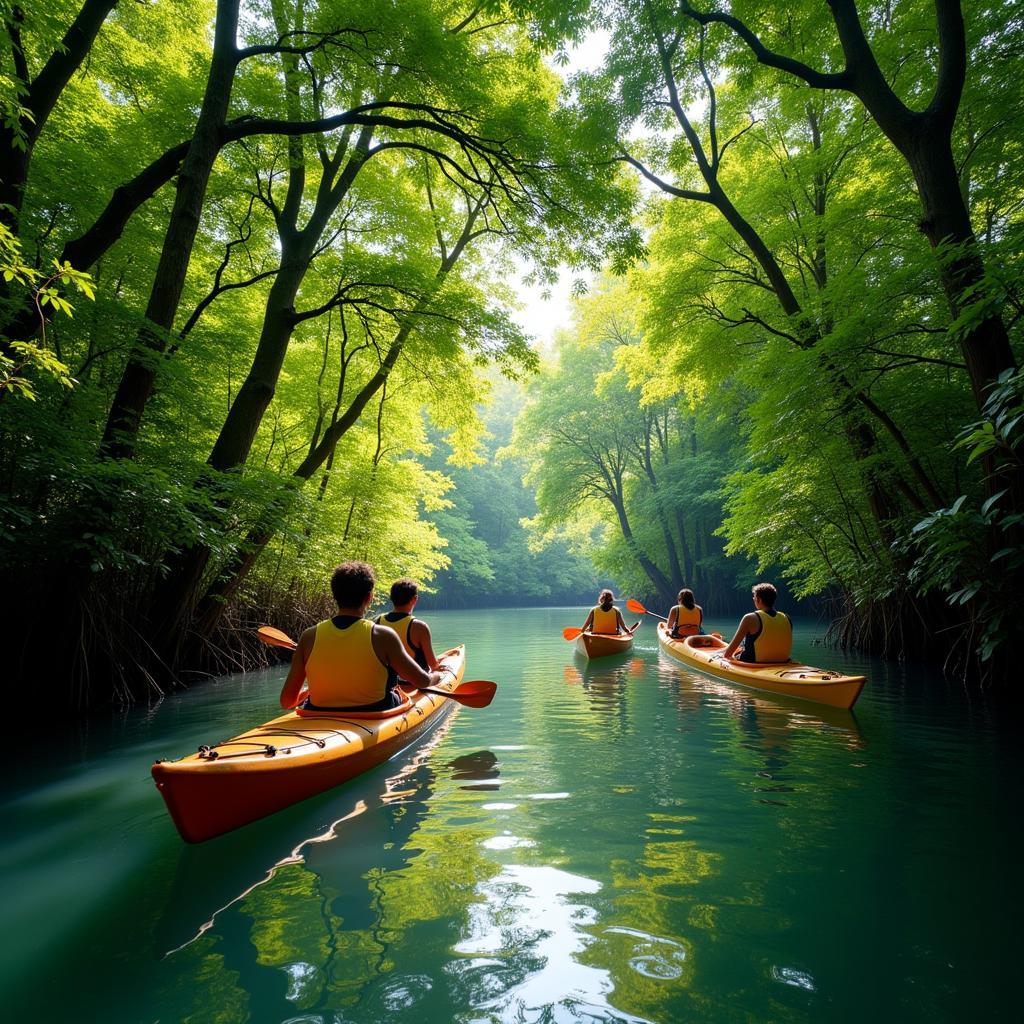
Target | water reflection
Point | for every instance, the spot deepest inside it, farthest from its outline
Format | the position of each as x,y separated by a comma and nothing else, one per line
663,847
523,944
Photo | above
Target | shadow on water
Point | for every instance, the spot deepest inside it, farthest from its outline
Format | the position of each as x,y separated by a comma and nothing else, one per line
480,769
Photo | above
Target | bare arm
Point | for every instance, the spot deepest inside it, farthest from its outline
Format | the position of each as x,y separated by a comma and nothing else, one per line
423,642
589,622
745,628
673,617
391,651
291,692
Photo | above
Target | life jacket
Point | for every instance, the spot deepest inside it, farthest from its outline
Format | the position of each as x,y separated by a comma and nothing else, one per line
773,642
688,620
605,621
402,624
343,669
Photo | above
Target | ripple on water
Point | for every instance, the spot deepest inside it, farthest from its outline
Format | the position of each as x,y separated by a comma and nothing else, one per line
499,807
653,956
404,991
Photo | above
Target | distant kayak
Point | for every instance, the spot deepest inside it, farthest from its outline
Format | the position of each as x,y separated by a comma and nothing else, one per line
600,645
822,686
292,757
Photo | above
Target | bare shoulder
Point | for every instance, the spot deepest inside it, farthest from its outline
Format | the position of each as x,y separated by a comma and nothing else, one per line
385,633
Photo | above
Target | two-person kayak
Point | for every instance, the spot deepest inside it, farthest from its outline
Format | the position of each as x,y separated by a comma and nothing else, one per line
704,653
292,757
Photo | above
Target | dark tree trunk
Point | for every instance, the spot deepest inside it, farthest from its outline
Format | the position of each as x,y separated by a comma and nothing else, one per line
125,417
41,96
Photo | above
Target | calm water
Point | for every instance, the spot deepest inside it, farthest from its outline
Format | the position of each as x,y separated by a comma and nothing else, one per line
622,842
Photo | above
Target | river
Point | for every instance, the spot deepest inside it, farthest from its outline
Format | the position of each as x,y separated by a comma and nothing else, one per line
625,841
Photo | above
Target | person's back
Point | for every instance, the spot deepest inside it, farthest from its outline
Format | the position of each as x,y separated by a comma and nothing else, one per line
414,633
687,617
765,635
604,617
773,642
343,669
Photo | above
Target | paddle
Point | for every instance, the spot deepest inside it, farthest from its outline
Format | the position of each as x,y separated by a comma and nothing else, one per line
474,693
636,606
571,632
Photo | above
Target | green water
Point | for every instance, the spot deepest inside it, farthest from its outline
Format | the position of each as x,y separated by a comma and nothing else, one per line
621,842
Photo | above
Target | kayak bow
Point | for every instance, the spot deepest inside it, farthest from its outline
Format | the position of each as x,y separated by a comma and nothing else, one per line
290,758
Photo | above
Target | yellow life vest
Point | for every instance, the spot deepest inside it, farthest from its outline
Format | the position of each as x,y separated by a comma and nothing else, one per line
688,620
774,643
343,670
605,621
401,627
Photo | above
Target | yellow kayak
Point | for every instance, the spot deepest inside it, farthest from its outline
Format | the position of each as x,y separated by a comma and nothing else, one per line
704,653
600,645
290,758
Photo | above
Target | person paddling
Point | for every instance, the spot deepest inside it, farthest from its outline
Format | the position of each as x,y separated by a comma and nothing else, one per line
766,635
414,633
687,617
346,659
605,618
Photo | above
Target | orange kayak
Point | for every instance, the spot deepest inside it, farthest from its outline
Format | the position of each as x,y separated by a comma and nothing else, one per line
600,645
823,686
292,757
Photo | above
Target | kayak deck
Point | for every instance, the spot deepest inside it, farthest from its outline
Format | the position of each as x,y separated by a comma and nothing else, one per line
601,645
228,784
791,679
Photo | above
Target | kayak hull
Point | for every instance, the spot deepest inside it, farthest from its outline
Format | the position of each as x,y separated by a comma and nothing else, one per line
789,679
290,759
602,645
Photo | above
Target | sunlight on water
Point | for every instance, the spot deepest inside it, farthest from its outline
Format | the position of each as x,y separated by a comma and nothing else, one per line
616,841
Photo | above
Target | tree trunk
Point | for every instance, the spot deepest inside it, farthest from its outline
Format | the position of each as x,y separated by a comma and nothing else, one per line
125,417
946,223
41,96
661,583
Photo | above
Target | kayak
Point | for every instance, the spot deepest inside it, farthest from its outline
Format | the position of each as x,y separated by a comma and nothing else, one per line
789,678
600,645
290,758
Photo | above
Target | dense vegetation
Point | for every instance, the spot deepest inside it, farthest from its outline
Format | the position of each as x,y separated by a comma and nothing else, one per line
257,263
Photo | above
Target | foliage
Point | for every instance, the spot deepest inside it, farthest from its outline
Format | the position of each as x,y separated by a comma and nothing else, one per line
20,359
951,557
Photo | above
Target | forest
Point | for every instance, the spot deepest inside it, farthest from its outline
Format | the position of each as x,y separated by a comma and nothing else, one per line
261,268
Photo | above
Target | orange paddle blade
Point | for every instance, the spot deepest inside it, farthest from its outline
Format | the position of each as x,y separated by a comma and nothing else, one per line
475,693
636,606
571,632
274,637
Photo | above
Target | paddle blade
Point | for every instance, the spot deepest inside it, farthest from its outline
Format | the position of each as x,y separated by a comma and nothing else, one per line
476,693
636,606
275,637
571,632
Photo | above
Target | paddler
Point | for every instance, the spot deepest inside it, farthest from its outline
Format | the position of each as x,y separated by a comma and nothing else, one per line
350,663
415,633
605,618
687,617
765,635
